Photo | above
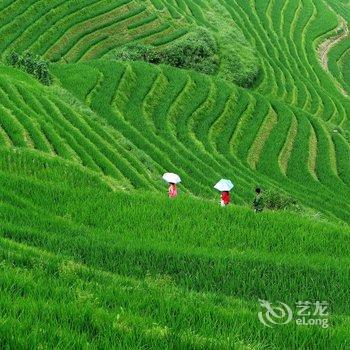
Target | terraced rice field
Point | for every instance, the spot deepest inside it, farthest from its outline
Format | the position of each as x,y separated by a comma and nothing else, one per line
134,134
73,31
286,35
93,254
72,277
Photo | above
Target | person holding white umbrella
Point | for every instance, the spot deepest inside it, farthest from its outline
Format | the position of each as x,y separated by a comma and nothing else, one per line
224,186
172,179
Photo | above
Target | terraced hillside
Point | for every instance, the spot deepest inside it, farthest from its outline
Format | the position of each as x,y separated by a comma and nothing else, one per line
209,127
93,254
79,30
287,35
132,271
71,31
132,132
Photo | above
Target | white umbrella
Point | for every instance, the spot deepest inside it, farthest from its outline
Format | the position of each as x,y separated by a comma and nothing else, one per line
171,178
224,185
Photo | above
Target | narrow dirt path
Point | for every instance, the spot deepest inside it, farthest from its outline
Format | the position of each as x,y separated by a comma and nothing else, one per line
328,44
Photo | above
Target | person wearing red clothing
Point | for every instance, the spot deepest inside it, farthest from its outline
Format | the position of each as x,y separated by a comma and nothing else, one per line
225,198
172,190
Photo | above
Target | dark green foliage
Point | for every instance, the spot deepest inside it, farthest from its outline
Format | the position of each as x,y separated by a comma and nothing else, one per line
196,50
135,52
239,61
14,59
227,54
31,64
277,200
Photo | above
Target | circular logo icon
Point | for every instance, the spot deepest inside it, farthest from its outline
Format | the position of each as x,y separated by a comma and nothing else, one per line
271,315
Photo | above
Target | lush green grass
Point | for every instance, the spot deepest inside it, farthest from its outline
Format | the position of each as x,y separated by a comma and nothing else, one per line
132,132
70,31
139,270
286,36
339,64
155,115
93,253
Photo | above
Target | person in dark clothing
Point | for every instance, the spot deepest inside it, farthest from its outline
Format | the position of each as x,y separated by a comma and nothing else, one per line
258,203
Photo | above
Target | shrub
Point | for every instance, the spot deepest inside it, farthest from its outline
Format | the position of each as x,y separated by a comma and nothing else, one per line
196,50
239,61
33,65
14,59
277,200
227,54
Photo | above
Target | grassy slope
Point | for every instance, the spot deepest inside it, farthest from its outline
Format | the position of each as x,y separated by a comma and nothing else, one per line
73,273
339,58
173,121
324,154
72,31
226,141
64,227
286,36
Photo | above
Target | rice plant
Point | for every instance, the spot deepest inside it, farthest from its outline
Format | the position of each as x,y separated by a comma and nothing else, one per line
98,99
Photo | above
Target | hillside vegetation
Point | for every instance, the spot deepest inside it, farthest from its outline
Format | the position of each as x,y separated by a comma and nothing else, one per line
132,132
93,253
72,31
135,270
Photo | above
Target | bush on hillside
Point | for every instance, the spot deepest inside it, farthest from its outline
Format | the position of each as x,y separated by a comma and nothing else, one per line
223,50
31,64
239,61
134,52
277,200
196,50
